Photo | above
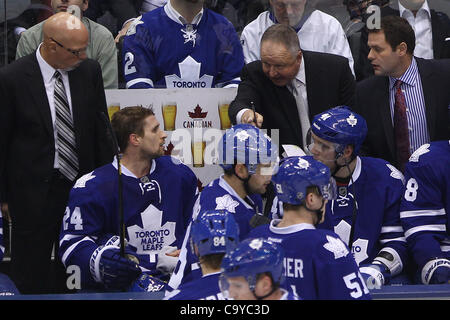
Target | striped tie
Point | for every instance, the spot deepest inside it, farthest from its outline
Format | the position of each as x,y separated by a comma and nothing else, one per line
68,159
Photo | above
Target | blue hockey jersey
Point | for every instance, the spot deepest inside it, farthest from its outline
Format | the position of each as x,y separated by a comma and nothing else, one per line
317,264
217,195
425,206
204,288
377,189
2,245
157,209
160,51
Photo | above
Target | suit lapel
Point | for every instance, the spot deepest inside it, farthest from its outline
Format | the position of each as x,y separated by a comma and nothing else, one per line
39,94
438,37
426,78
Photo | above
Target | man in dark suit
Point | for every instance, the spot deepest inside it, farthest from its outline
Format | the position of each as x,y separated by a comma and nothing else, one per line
287,87
405,104
50,134
432,29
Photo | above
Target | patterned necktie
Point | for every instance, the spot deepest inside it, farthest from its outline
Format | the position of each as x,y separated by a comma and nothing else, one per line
401,127
65,139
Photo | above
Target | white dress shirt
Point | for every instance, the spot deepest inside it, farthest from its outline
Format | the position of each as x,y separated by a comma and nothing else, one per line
421,24
47,72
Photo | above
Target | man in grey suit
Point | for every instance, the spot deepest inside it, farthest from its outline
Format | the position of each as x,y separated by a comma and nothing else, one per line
50,134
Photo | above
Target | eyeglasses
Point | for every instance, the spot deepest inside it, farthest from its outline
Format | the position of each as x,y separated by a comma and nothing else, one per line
74,52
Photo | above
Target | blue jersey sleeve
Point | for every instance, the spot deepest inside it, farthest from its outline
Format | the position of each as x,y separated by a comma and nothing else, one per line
425,203
138,56
81,230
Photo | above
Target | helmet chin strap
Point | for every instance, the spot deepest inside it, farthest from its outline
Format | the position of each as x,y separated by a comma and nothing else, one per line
318,212
245,181
274,288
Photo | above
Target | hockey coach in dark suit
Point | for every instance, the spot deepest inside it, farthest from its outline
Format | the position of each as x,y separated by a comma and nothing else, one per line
51,133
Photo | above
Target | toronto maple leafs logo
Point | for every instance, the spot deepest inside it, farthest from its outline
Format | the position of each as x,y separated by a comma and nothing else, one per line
256,244
303,164
189,76
226,203
242,135
351,120
190,34
81,182
336,246
152,236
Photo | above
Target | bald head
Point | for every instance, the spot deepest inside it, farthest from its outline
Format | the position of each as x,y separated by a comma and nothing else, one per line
65,40
64,26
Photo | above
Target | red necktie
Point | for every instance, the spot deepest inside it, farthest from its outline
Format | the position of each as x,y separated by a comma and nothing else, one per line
401,127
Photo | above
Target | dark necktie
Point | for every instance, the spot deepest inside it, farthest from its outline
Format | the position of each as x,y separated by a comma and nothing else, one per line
65,139
401,127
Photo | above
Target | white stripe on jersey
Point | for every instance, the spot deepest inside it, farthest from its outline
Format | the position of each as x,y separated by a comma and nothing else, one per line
430,227
137,80
421,213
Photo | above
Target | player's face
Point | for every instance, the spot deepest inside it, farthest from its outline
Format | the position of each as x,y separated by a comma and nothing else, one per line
278,63
152,143
288,12
384,60
239,289
259,181
63,5
323,151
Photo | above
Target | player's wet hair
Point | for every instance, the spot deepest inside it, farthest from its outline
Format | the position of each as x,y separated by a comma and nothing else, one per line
127,121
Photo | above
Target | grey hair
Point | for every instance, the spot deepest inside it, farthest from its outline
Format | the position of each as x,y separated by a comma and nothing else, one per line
282,34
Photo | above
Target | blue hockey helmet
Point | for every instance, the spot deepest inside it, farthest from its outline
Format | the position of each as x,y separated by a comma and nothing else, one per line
246,144
296,174
214,231
249,259
341,126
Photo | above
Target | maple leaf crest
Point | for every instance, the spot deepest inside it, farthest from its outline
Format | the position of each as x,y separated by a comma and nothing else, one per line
336,246
152,237
197,114
81,182
132,29
351,120
395,173
419,151
226,203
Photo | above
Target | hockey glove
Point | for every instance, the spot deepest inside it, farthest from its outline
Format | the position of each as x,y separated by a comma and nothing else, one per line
148,283
375,275
108,267
436,271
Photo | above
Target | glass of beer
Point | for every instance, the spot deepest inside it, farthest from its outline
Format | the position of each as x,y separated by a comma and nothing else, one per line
225,122
169,111
198,151
113,107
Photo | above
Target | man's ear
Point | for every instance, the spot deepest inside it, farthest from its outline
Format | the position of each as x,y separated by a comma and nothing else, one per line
241,171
